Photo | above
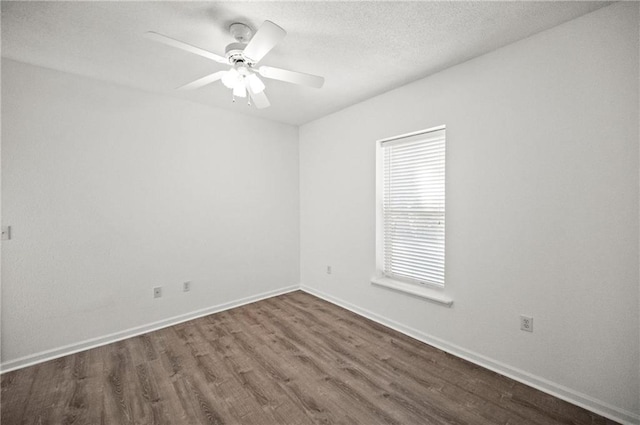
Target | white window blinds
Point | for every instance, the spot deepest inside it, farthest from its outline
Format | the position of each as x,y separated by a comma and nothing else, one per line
413,207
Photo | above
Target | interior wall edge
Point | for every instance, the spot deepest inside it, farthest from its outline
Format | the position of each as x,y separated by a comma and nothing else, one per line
88,344
567,394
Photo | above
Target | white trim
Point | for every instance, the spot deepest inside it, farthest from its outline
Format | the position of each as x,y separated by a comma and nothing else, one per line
597,406
413,289
88,344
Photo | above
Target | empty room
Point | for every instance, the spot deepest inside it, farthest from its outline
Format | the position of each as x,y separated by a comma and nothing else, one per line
357,212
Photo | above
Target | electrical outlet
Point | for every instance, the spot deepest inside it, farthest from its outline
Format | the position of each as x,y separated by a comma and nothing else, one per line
328,269
6,233
157,292
526,323
186,286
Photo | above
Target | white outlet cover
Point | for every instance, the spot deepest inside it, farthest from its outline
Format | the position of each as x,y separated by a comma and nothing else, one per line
526,323
157,292
186,286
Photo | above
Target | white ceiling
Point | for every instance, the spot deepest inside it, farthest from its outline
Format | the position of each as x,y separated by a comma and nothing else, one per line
361,48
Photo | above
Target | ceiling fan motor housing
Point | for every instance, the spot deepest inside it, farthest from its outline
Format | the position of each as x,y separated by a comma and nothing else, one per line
234,53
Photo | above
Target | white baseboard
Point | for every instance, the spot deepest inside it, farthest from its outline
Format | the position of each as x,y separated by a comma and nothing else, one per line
564,393
597,406
55,353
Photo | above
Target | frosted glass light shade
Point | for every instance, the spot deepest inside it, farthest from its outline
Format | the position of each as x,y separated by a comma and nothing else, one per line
231,78
240,90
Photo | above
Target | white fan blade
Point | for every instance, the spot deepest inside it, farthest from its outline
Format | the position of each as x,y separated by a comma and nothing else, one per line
203,81
184,46
291,76
267,36
259,99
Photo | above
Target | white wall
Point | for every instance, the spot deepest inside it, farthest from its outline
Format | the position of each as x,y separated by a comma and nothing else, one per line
112,191
542,198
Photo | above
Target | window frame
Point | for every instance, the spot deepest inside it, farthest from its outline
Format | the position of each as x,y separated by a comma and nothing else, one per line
424,289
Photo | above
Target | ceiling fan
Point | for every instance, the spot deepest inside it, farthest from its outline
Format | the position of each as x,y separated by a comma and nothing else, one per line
243,57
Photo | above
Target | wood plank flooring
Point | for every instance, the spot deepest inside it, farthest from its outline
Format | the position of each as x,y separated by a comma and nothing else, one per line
292,359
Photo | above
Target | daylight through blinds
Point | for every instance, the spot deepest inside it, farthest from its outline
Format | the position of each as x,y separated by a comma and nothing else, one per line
413,207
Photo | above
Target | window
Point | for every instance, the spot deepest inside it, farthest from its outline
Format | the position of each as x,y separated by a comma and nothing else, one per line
412,201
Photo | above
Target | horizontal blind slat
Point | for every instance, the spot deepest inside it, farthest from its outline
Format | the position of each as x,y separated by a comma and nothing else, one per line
439,280
413,207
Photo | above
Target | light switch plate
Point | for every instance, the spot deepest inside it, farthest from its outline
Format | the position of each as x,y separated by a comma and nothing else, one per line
6,233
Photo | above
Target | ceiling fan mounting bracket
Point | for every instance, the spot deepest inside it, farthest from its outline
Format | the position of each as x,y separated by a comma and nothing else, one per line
241,32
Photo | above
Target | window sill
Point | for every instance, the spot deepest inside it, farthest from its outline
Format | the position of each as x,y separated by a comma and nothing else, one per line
426,293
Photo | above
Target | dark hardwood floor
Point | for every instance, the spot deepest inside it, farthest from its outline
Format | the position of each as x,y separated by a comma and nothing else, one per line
292,359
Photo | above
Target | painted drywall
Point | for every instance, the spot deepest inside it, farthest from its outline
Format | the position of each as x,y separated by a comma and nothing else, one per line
111,192
542,206
0,220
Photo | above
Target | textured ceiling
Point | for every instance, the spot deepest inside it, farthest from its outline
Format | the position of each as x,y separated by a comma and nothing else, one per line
361,48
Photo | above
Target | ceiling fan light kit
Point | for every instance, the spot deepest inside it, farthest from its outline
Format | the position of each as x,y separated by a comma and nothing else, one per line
242,57
231,78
